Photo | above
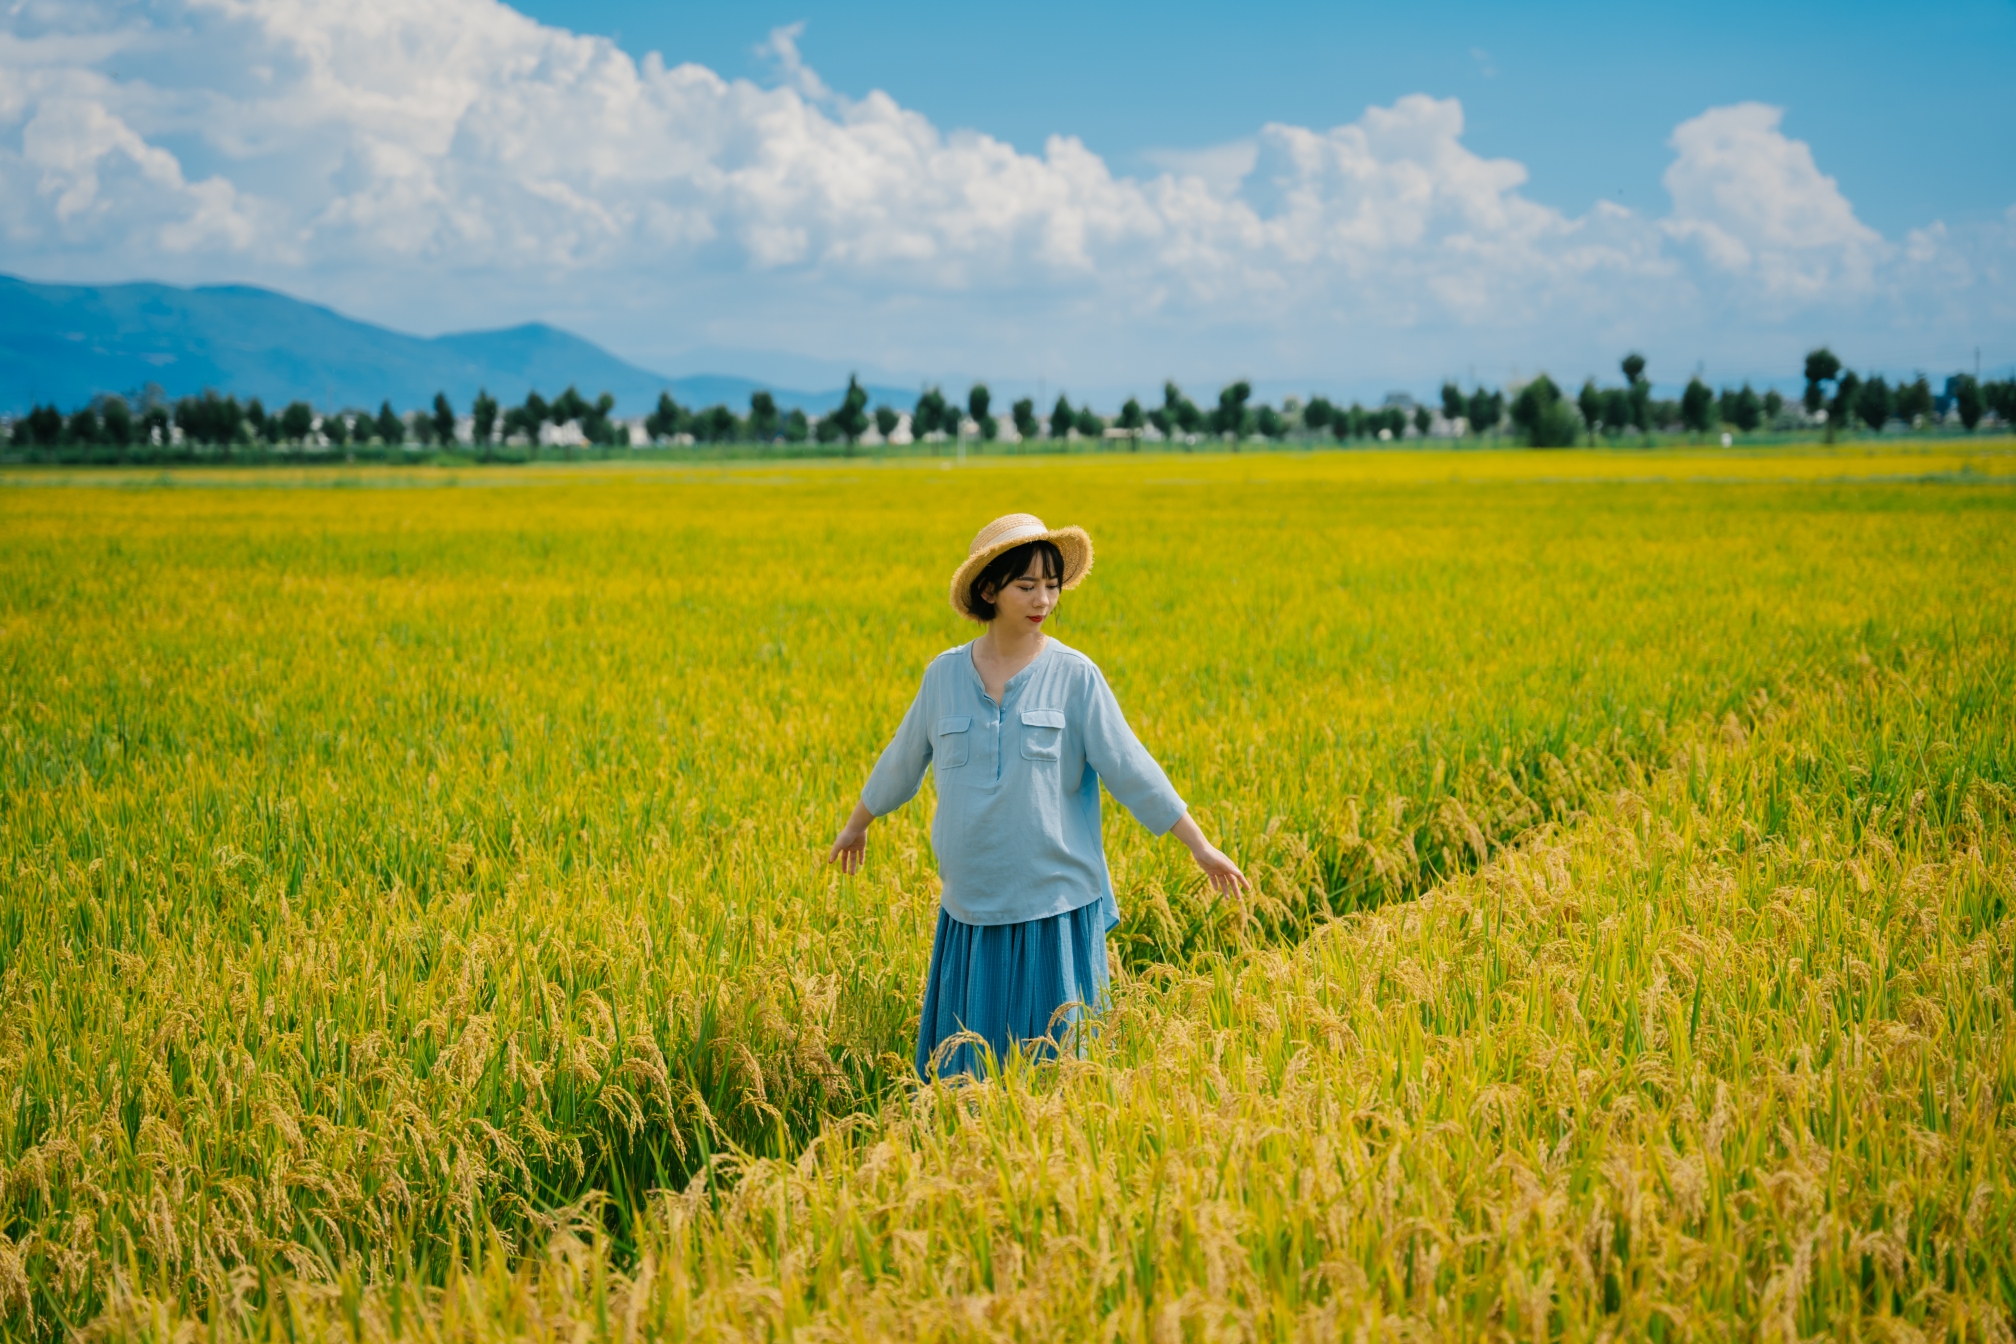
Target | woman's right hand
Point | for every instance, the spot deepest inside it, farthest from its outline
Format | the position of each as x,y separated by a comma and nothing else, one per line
851,846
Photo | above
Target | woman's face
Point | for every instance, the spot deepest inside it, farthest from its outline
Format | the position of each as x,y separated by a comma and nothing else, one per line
1026,602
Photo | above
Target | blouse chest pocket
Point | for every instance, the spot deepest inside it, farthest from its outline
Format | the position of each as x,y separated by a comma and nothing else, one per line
1043,734
952,742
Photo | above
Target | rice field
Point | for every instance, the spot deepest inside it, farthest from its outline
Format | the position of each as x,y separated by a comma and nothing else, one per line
413,923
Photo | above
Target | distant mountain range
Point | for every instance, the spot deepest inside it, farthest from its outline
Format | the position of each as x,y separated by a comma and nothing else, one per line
68,343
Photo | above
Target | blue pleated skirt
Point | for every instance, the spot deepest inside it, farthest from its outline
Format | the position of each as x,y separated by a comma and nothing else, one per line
1030,984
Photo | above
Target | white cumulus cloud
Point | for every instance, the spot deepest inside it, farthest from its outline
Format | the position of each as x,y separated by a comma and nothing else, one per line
455,163
1758,205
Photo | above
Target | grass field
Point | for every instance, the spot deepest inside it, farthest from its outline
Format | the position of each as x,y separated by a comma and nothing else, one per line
413,922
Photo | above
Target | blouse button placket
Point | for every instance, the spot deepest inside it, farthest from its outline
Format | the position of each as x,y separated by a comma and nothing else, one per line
1000,713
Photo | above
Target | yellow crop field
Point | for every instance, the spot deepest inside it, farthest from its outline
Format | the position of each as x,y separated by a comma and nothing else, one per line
414,922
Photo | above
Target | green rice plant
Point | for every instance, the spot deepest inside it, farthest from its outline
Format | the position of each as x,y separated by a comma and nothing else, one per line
1667,1072
407,887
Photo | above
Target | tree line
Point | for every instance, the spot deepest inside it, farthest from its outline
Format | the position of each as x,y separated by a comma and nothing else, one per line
934,415
224,423
1537,413
1835,398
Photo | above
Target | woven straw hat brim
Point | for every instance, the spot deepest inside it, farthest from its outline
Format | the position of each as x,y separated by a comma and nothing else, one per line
1073,543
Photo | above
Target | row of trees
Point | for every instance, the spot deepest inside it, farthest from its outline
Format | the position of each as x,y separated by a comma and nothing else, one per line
225,423
1835,397
1543,416
1843,396
936,415
1539,413
218,422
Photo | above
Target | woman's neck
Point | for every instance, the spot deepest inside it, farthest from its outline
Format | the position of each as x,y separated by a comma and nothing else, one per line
1007,645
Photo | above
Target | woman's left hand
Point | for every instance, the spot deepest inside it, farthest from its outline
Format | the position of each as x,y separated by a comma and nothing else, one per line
1223,874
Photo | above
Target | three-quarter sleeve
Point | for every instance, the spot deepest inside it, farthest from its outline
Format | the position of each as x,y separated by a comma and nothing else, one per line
900,769
1124,765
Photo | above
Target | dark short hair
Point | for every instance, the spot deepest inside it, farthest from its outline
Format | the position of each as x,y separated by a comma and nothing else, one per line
1007,567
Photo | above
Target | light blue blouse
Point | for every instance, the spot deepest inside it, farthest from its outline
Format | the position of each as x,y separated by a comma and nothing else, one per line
1017,829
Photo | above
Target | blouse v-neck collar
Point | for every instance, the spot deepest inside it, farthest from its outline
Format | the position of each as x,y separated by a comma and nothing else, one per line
1008,687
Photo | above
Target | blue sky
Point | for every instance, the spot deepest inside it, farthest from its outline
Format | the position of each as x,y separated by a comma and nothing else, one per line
1326,198
1911,107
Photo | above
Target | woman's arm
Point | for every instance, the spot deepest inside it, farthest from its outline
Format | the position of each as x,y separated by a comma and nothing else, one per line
852,845
893,782
1132,776
1223,874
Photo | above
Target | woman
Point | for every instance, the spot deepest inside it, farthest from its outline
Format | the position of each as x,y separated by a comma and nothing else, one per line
1021,731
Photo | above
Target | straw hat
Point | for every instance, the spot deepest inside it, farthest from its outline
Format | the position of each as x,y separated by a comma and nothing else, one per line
1016,529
